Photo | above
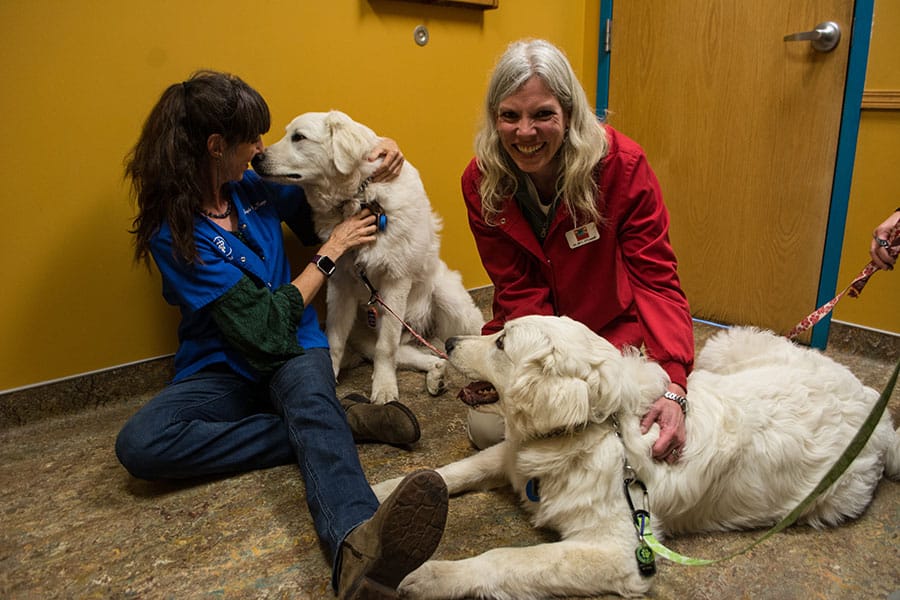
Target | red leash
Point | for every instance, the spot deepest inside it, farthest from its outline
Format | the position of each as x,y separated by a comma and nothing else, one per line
376,297
854,289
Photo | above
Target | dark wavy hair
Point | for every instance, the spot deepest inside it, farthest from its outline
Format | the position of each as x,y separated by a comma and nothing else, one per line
169,166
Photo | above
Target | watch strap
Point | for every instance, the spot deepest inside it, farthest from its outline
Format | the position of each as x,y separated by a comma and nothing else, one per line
681,400
324,264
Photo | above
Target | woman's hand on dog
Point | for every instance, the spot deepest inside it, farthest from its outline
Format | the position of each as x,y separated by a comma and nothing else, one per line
353,231
392,163
672,434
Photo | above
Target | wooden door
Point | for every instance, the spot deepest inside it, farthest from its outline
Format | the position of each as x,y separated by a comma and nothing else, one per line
741,128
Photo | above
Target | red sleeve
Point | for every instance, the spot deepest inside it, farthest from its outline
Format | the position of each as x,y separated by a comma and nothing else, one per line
519,289
662,307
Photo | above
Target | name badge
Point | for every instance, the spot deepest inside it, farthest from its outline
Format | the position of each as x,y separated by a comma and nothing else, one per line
582,235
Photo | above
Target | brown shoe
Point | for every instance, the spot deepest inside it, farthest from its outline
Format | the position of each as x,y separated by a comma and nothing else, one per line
400,536
390,423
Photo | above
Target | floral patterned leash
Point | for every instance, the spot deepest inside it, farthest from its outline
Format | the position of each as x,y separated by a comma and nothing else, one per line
854,289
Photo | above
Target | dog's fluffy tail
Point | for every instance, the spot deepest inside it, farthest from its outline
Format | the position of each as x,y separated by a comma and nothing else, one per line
892,462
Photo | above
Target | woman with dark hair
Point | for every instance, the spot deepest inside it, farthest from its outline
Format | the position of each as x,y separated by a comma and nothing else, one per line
569,220
254,386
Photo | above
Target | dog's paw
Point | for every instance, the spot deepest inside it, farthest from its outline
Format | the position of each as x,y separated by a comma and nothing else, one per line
385,488
435,380
382,394
383,397
434,579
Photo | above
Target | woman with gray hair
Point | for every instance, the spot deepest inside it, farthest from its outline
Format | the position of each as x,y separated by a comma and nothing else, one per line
569,220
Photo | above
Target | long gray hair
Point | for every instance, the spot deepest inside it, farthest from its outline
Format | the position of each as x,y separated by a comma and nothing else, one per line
585,144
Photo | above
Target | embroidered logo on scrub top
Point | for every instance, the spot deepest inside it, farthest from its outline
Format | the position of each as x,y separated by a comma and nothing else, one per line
223,246
255,206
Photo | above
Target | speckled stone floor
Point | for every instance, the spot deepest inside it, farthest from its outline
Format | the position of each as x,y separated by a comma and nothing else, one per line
74,524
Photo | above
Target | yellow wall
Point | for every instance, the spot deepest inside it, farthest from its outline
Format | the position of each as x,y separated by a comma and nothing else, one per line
80,77
875,190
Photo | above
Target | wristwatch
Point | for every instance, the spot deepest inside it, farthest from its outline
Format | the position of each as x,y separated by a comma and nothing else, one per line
325,264
681,400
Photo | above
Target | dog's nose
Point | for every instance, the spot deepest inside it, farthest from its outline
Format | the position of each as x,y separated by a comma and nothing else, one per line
257,160
449,344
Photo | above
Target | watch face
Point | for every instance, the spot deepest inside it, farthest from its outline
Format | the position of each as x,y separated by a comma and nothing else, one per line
326,265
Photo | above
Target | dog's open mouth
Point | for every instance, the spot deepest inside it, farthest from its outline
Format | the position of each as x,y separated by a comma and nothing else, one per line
478,393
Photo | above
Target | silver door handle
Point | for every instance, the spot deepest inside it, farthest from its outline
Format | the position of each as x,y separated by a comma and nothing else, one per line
824,37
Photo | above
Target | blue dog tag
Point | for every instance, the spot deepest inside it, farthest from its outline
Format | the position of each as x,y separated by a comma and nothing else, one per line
531,490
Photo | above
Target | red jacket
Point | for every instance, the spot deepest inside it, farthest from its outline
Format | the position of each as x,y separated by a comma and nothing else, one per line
623,285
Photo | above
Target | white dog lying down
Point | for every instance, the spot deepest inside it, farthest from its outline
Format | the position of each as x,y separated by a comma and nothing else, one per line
766,420
326,154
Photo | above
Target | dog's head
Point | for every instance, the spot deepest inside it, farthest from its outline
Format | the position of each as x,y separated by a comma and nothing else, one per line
552,374
317,147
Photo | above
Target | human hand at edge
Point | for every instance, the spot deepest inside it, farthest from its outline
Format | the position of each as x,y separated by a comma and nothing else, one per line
672,433
392,163
880,252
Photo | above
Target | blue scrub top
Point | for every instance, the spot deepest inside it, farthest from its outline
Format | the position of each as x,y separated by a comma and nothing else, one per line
223,259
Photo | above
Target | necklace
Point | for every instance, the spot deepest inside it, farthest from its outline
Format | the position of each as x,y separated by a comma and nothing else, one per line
213,215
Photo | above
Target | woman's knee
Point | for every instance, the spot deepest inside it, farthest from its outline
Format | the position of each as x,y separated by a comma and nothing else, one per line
485,429
128,454
135,452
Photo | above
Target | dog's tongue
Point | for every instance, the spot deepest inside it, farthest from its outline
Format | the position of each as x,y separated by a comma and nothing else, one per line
477,393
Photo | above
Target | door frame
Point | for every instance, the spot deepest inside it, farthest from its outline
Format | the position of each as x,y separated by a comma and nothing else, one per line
857,60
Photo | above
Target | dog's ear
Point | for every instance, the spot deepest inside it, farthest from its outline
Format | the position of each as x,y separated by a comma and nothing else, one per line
550,391
349,141
543,403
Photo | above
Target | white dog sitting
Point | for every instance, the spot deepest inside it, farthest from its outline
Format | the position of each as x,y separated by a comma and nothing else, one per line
766,420
325,153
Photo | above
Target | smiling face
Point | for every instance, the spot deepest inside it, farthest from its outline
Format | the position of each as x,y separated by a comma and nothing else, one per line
237,157
532,125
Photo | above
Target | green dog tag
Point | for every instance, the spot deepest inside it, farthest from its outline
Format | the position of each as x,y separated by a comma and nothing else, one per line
646,559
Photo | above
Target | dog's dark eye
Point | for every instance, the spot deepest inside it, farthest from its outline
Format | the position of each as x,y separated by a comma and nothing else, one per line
297,137
499,342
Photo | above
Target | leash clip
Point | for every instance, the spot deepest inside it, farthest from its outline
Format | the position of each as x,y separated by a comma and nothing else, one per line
646,558
630,477
629,481
375,297
373,293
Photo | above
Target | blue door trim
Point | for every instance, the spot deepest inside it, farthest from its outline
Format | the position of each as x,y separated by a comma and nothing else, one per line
843,168
603,61
846,150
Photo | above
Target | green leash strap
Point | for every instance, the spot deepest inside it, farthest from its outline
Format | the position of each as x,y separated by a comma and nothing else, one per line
853,449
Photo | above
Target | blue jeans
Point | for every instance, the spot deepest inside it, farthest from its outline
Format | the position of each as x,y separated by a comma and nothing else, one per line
216,422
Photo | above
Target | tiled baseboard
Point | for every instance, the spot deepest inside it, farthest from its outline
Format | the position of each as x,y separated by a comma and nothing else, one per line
863,342
92,390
